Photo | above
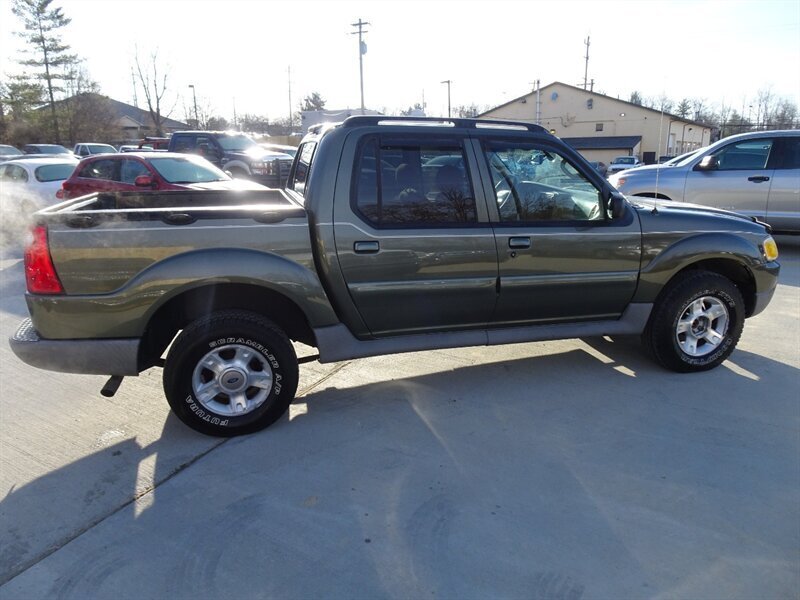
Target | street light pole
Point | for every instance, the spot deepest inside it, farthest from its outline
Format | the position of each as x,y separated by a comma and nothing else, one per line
194,97
362,50
448,82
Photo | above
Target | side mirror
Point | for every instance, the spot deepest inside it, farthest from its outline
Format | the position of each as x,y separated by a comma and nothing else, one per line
143,181
617,204
709,163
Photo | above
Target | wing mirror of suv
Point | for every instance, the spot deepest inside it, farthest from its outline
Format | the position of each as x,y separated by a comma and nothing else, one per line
143,181
709,163
616,204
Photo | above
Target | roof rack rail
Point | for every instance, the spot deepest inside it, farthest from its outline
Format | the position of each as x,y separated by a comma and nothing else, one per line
361,120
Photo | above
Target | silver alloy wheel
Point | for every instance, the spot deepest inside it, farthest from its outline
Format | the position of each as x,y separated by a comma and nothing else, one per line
232,380
702,326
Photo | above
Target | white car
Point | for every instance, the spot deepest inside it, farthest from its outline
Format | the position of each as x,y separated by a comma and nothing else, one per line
28,184
621,163
88,149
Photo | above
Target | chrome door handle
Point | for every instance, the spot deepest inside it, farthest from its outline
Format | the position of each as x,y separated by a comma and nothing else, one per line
366,247
758,178
519,242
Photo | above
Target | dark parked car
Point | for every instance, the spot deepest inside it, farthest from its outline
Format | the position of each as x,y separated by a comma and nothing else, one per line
236,153
137,171
45,149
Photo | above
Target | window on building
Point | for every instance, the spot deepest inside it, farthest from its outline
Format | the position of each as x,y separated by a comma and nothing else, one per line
598,127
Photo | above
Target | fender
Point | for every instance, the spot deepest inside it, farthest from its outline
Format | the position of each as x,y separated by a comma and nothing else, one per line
236,164
126,312
658,269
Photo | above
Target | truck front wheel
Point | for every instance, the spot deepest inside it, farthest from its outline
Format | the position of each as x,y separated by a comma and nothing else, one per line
230,373
697,323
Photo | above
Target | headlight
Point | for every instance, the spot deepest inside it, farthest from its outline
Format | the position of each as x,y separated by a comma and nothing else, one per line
769,249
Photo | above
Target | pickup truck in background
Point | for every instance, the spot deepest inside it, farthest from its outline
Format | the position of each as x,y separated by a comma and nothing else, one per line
237,154
621,163
392,235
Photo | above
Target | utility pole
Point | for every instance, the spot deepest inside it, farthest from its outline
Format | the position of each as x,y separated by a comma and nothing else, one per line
362,50
448,82
290,99
586,68
194,97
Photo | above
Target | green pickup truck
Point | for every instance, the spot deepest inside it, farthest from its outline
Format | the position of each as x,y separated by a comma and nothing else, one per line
392,235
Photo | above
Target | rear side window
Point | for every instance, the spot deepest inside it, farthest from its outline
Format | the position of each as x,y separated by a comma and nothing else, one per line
790,153
99,169
54,172
413,184
305,155
130,170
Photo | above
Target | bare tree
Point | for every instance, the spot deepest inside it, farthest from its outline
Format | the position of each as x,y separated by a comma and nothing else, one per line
154,86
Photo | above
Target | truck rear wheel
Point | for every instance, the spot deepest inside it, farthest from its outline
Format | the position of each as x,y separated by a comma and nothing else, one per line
230,373
697,323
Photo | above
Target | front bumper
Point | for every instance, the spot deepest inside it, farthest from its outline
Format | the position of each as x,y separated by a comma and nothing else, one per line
92,357
766,284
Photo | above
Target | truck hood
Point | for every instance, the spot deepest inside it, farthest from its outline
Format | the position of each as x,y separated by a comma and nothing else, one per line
682,216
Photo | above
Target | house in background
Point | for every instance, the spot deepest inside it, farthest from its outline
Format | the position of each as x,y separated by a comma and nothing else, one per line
97,118
602,127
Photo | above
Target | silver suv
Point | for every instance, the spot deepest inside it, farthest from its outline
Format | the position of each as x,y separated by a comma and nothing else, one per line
756,174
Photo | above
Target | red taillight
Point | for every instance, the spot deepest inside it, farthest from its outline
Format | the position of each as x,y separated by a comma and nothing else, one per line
40,274
60,193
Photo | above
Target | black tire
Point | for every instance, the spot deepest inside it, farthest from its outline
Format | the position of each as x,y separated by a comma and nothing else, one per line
255,348
671,348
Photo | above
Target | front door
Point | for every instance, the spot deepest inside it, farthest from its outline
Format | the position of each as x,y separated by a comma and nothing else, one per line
414,244
561,257
740,182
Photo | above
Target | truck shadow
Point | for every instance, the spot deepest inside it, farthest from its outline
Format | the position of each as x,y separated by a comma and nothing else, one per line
459,482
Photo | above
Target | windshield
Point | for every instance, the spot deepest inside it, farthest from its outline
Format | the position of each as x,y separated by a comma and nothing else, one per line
9,151
236,143
625,160
187,170
57,172
53,149
100,148
684,158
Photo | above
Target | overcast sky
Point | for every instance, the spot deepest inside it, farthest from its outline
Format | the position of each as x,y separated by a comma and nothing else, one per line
491,50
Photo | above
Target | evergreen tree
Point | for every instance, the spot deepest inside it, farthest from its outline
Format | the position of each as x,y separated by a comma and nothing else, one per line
50,59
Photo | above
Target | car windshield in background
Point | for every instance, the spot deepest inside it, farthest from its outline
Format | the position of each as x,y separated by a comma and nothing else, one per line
100,148
235,143
54,172
186,170
626,160
53,150
10,151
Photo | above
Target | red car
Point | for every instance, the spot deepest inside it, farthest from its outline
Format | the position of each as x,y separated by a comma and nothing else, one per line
138,171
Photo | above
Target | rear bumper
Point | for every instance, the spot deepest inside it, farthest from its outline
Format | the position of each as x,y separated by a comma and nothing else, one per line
92,357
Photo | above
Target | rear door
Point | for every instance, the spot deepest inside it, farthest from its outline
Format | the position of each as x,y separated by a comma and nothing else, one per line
414,243
99,175
783,206
561,258
740,183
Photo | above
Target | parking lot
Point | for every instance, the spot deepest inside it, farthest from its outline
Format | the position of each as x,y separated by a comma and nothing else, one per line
569,469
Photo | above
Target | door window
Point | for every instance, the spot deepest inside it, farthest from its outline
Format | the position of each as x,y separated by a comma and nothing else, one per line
130,170
790,153
15,174
413,184
303,167
535,185
744,155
